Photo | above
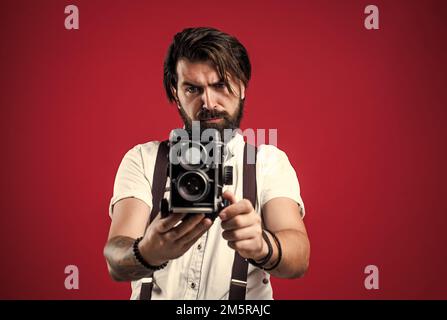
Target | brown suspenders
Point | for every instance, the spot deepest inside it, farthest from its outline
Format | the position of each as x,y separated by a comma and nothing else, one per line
239,272
158,189
238,283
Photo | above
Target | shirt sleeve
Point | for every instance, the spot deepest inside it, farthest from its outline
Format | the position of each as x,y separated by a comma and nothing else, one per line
130,180
279,177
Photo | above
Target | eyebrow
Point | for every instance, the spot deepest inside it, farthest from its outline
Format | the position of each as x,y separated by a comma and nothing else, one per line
187,83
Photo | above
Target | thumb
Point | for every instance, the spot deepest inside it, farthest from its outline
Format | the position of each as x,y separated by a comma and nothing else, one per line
229,196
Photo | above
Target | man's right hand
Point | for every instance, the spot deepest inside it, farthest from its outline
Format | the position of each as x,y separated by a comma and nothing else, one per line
165,240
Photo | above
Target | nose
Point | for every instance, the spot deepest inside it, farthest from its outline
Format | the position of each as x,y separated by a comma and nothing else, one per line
208,99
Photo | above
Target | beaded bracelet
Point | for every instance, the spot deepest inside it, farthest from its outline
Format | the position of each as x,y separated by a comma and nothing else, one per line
141,260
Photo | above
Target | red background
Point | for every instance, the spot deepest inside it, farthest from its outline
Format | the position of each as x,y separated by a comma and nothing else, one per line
361,115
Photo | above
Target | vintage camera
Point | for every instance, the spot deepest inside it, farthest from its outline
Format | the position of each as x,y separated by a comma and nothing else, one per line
197,174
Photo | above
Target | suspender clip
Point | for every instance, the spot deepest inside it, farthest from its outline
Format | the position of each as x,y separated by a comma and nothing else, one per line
239,283
147,280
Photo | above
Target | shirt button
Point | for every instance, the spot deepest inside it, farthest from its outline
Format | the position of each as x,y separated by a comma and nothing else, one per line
199,246
265,281
193,285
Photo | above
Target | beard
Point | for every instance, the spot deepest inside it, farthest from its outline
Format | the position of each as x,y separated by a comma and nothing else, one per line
227,122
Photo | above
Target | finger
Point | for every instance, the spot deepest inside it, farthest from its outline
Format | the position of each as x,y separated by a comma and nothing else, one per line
242,207
246,247
190,238
184,227
242,234
238,222
229,196
165,224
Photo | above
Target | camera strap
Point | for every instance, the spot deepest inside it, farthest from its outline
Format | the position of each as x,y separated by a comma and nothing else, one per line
239,272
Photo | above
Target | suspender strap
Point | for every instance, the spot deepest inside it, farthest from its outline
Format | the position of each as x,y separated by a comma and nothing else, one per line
146,288
160,178
158,189
238,283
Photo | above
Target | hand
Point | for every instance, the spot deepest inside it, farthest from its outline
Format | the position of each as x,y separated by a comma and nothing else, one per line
164,240
243,228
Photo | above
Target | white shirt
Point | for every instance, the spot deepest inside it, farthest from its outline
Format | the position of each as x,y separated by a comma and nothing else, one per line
204,271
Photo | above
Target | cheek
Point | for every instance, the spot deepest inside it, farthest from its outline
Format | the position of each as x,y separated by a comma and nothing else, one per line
231,104
191,106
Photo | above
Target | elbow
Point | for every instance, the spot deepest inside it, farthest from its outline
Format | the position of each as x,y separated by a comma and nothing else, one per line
110,264
113,275
300,272
303,263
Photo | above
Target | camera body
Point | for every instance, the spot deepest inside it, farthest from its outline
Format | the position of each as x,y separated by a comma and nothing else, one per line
197,174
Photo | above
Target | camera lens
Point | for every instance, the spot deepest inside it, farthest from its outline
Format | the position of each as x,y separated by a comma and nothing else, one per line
193,186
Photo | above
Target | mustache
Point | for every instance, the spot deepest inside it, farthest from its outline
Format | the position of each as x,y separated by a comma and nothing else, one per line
205,114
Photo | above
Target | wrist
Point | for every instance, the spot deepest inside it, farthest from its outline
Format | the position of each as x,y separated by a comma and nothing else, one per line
262,255
150,262
263,260
275,260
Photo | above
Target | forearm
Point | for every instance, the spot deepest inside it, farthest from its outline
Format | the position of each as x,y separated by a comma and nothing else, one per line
123,266
295,254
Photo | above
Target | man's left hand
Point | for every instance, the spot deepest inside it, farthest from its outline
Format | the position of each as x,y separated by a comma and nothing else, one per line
243,228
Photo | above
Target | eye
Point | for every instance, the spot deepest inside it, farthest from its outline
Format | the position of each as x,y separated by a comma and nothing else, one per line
220,85
192,89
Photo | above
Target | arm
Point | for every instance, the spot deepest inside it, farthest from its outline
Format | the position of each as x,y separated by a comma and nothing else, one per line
128,223
164,239
243,231
282,217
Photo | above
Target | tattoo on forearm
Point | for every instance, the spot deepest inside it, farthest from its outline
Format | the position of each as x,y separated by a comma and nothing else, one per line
124,266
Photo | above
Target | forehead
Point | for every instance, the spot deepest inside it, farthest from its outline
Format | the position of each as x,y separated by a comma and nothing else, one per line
201,72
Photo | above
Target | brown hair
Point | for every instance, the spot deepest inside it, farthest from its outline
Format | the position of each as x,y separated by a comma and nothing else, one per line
206,44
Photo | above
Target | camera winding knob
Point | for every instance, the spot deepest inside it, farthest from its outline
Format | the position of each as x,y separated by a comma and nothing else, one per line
228,175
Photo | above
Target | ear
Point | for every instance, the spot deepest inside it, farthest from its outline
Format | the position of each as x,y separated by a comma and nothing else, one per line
242,90
177,101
